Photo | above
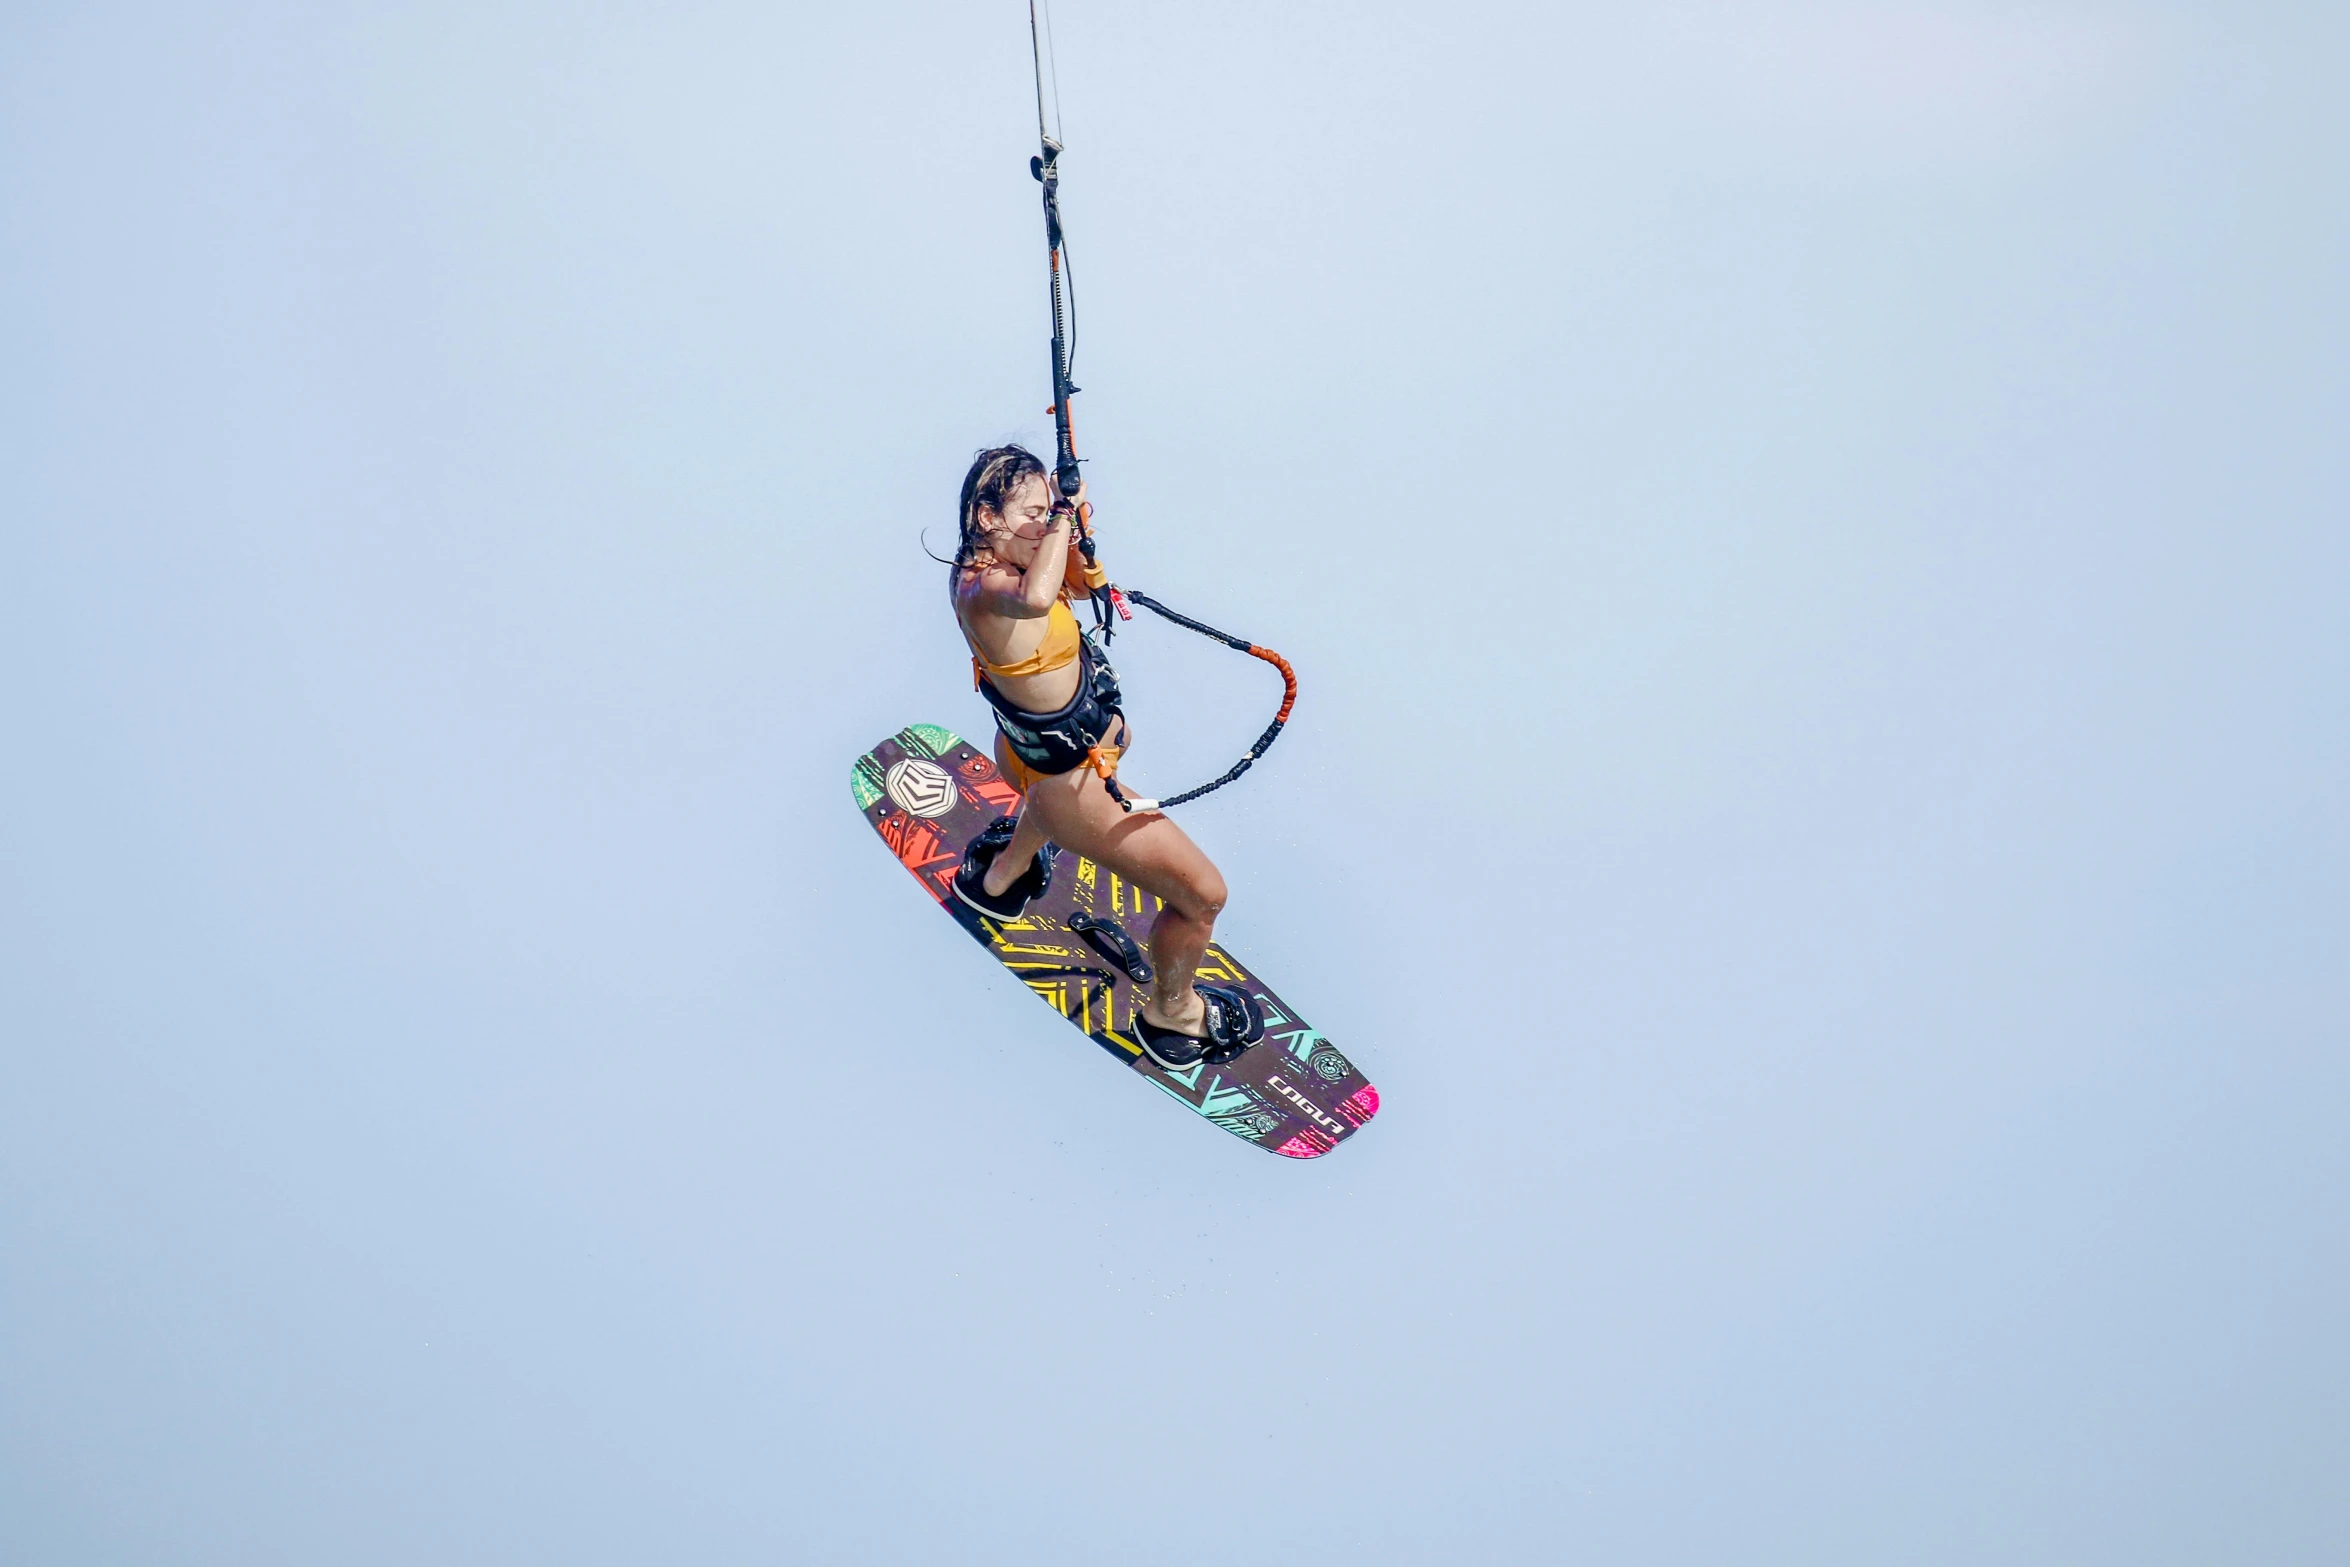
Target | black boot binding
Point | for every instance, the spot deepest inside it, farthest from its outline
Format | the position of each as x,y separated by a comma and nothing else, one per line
971,875
1234,1022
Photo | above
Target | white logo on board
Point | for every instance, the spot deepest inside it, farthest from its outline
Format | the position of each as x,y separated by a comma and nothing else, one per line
920,787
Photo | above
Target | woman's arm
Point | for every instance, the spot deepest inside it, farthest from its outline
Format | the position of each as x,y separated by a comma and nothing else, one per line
1026,595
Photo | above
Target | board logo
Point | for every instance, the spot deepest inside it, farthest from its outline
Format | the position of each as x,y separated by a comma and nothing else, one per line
920,787
1313,1111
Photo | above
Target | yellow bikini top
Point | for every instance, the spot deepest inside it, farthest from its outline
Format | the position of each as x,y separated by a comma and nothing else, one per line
1061,639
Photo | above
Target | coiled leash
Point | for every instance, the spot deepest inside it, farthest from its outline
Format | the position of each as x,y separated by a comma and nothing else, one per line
1107,597
1248,758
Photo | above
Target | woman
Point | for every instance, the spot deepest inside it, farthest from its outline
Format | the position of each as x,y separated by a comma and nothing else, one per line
1059,733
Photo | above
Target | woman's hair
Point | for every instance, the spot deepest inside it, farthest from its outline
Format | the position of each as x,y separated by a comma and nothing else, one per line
996,476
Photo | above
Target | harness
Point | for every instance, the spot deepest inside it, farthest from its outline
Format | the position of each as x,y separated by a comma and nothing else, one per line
1075,734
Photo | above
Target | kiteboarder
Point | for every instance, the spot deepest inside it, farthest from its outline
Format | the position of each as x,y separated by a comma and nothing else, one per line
1060,730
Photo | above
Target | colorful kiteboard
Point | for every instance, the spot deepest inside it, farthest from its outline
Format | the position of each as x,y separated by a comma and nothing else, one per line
929,794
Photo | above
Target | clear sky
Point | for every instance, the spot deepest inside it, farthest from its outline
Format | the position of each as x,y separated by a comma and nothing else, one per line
1814,538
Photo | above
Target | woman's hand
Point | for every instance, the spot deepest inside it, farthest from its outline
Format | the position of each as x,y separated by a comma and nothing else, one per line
1075,573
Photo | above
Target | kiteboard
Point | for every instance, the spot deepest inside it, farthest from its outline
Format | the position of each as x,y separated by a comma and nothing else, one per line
928,794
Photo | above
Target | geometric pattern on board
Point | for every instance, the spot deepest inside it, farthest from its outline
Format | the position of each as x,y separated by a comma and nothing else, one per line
928,793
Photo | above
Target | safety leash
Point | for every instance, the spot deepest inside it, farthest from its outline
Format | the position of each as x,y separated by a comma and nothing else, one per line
1248,758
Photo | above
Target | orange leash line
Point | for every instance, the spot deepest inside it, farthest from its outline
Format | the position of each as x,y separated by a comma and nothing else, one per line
1288,678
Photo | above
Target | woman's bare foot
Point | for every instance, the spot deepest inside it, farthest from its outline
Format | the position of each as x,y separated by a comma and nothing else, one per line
1174,1035
1229,1021
1002,871
1015,858
999,875
1185,1014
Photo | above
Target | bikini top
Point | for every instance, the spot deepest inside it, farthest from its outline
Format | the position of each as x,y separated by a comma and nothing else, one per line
1061,642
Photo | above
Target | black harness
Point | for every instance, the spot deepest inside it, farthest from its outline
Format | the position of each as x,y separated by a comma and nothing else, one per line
1063,741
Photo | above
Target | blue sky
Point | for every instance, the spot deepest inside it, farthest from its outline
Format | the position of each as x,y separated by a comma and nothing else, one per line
1812,538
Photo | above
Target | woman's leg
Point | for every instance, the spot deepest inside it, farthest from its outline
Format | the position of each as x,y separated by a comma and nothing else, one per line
1076,812
1028,834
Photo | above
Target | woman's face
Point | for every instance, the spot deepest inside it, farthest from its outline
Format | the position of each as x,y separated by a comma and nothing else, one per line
1014,533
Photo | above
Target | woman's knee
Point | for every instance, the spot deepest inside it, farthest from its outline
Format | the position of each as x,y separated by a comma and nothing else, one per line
1204,894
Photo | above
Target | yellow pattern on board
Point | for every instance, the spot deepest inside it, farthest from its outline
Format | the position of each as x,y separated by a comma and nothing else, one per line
1070,975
